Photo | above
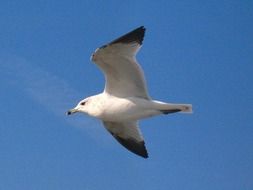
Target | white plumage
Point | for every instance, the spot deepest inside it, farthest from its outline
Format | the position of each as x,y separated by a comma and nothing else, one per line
125,99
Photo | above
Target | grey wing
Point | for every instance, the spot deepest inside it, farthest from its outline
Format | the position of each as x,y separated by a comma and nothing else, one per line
128,135
124,76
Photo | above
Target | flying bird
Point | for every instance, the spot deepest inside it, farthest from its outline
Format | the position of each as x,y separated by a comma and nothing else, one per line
125,99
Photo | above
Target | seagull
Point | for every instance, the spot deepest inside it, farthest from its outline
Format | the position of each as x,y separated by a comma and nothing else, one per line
125,99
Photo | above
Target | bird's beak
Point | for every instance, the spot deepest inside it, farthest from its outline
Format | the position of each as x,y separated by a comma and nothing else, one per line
71,111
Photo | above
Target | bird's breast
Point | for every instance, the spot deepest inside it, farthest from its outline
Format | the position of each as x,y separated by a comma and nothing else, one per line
121,109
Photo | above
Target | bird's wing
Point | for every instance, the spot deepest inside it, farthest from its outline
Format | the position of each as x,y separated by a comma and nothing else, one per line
128,135
124,76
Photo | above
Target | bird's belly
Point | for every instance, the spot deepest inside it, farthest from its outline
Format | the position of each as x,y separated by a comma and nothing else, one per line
127,110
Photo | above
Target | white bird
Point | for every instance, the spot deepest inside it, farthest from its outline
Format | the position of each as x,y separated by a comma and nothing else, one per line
125,99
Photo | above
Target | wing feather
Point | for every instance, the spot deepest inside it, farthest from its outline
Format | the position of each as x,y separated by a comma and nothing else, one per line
124,76
128,135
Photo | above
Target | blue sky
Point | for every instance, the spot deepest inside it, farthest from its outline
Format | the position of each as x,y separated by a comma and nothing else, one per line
197,52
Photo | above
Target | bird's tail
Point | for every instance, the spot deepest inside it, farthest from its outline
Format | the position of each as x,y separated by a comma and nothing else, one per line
167,108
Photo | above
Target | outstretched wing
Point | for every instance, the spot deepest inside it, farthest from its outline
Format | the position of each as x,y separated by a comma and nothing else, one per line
124,76
128,135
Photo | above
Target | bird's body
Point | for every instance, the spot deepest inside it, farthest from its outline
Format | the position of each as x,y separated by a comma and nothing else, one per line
111,108
125,99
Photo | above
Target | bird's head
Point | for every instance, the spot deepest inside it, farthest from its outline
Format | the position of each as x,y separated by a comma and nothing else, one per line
80,107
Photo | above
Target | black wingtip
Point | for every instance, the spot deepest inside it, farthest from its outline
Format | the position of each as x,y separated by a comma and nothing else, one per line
170,111
143,153
136,35
137,148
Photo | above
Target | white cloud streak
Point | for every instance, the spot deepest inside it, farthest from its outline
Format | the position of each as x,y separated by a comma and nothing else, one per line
46,89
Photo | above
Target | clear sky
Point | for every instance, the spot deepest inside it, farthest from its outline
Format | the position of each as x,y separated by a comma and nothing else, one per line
197,52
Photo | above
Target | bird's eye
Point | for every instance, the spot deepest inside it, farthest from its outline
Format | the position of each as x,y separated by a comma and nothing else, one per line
83,103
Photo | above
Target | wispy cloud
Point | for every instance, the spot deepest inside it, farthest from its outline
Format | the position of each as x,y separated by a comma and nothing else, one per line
46,89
